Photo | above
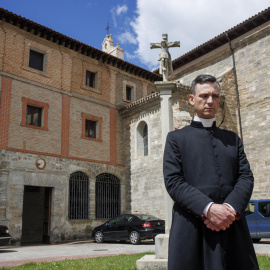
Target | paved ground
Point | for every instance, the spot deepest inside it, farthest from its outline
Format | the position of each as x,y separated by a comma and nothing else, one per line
13,256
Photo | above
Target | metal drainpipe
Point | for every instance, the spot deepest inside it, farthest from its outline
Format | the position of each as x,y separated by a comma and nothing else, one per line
236,87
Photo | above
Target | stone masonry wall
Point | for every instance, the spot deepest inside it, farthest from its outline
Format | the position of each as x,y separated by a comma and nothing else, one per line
146,177
19,169
252,66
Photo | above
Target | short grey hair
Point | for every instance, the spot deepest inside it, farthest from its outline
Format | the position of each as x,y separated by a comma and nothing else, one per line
202,79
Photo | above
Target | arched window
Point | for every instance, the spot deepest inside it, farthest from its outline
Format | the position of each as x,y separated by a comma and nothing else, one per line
142,139
78,196
145,140
107,196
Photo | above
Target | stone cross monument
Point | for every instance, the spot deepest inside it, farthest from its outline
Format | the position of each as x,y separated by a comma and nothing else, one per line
165,88
165,68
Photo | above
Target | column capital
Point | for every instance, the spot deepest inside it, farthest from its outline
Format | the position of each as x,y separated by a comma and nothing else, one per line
166,88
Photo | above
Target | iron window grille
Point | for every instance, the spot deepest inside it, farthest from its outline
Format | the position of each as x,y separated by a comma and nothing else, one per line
107,196
78,196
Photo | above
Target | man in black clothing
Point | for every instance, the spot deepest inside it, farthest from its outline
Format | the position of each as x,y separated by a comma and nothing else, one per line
208,176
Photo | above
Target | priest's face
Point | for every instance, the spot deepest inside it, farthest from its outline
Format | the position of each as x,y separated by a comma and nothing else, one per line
205,99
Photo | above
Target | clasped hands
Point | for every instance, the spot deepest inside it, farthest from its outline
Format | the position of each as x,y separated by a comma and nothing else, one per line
219,217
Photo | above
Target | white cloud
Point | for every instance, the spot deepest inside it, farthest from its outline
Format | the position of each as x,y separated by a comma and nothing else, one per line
127,37
117,11
121,9
191,22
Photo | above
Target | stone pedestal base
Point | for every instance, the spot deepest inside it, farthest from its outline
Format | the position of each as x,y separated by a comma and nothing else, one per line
159,261
149,262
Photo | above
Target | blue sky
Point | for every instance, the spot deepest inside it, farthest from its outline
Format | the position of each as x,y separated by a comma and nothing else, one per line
137,23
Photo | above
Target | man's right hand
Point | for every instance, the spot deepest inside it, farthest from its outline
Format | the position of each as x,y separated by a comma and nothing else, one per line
221,215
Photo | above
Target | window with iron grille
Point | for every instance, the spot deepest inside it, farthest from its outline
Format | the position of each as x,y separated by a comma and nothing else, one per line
78,196
90,79
107,196
36,60
34,115
91,128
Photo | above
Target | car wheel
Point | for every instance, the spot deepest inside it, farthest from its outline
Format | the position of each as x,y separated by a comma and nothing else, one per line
256,240
134,238
99,237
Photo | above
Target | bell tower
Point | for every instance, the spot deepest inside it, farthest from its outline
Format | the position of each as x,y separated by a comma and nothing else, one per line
107,46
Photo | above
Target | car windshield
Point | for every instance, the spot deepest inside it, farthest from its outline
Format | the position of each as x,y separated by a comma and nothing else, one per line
146,217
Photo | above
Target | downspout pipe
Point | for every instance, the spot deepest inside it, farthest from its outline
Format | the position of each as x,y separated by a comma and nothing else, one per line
236,87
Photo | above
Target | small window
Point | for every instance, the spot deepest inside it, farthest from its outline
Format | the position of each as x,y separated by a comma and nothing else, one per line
142,139
90,79
33,116
250,208
127,219
116,220
129,93
36,60
91,128
264,209
145,140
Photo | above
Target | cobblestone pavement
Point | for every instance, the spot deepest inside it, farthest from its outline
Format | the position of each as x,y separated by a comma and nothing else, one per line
18,255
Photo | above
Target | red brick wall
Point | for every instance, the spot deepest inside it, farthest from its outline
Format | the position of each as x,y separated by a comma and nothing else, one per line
113,136
4,111
65,126
61,87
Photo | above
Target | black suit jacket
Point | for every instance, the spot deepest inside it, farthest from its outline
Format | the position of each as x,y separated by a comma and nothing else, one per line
203,165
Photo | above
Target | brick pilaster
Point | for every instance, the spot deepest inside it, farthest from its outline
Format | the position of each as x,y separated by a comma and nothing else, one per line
65,126
5,111
113,136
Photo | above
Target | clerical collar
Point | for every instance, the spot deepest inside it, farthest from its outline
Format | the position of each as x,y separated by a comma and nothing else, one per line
205,122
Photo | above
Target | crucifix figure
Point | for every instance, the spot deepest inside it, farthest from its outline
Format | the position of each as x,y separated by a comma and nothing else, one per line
165,68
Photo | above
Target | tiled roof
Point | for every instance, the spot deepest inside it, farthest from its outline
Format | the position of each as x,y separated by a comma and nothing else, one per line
82,48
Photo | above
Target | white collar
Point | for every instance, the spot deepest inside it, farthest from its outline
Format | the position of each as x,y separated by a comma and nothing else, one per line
205,122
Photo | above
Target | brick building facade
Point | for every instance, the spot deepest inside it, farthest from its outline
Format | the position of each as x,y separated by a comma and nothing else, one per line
62,169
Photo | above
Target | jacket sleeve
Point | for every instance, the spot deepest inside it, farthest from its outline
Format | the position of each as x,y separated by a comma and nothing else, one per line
186,196
240,195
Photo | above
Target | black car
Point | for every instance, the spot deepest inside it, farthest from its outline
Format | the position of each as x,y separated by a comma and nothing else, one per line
135,228
4,236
